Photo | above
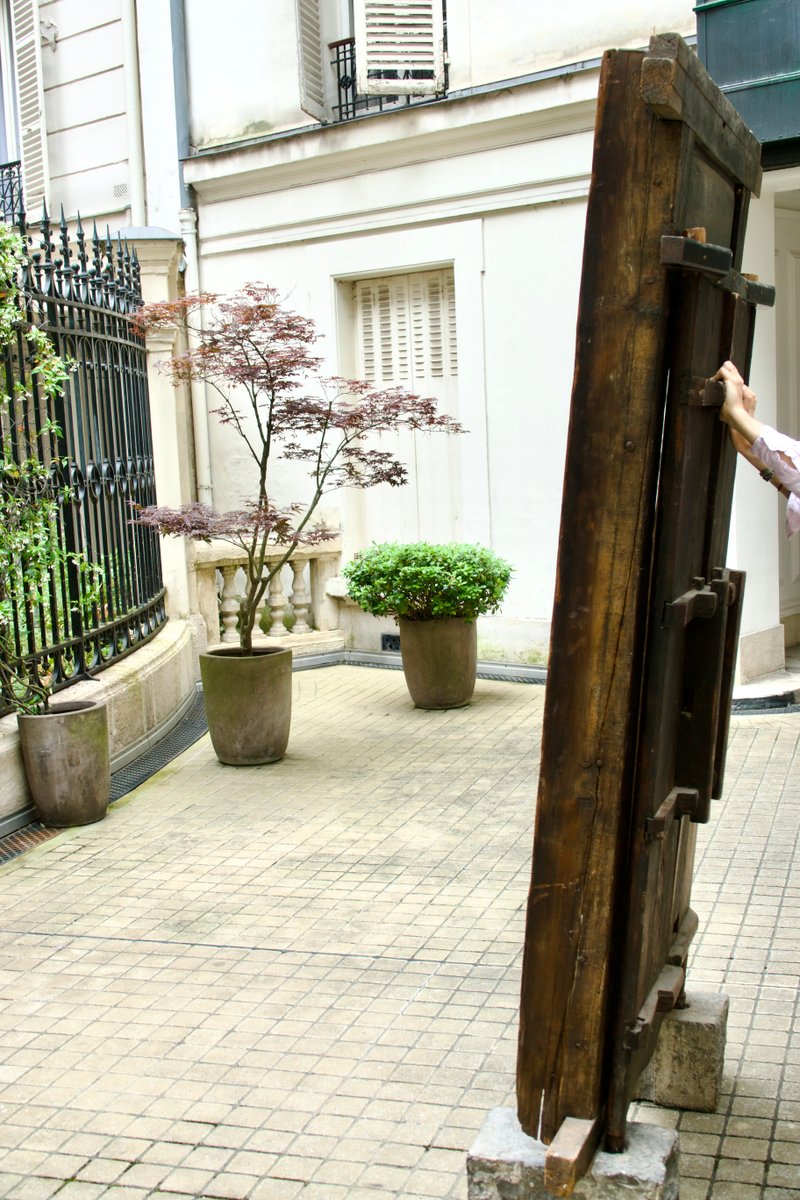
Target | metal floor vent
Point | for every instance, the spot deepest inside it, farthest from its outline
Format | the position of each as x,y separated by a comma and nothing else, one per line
766,704
188,730
24,839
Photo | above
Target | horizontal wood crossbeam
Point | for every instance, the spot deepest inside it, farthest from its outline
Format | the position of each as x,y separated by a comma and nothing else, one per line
716,264
675,85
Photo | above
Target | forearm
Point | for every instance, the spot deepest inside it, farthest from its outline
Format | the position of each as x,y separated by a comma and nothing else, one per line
739,421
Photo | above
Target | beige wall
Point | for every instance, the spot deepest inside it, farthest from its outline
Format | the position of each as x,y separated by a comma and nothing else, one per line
85,108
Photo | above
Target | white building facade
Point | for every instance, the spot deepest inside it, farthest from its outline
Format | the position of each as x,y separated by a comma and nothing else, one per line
414,177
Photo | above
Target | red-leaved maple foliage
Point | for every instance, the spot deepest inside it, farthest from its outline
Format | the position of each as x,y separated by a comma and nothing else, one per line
259,358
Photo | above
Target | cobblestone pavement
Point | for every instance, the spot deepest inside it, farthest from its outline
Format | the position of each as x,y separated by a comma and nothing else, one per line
301,980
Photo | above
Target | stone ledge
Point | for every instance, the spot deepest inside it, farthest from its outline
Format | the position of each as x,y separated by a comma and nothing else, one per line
319,641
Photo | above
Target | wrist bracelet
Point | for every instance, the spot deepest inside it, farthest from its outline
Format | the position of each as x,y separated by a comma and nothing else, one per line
767,473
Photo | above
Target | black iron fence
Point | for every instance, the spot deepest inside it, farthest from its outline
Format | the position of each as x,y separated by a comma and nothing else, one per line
83,292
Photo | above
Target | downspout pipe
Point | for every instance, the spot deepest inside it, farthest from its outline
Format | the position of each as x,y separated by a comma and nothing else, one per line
137,199
188,228
180,76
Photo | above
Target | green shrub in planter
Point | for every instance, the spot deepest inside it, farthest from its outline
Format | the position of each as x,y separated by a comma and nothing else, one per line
424,582
435,593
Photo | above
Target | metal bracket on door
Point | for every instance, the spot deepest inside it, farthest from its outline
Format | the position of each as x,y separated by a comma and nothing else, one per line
716,264
700,617
699,601
680,802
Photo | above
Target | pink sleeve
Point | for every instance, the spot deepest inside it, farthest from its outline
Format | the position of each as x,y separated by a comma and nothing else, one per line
770,447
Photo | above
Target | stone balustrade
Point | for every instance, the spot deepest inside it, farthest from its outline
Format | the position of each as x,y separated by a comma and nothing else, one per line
300,591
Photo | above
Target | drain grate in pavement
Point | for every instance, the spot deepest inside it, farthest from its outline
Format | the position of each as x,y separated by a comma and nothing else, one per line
776,705
24,839
189,729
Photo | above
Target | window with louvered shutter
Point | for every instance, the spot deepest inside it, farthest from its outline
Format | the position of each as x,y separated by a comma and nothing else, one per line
405,334
309,42
399,47
30,98
406,328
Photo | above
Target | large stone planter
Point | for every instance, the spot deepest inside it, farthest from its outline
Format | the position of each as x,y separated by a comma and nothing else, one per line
248,703
440,659
67,762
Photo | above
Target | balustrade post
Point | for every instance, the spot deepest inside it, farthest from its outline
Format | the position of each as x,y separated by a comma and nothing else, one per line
258,628
229,604
300,597
277,607
208,600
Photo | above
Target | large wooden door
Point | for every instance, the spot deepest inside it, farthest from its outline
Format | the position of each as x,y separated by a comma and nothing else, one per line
646,617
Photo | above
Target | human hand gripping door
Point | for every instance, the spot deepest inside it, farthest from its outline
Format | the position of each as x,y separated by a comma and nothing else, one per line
775,456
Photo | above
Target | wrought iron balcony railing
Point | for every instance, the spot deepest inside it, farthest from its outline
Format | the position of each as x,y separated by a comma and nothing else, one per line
10,191
350,104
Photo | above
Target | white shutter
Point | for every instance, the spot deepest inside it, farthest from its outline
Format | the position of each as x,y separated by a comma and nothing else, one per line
383,333
399,47
30,98
451,345
406,330
309,48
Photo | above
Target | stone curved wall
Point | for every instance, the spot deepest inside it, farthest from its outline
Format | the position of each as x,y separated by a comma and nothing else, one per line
146,693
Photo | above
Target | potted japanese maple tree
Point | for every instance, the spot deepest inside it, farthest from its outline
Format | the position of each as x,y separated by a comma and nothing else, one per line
260,358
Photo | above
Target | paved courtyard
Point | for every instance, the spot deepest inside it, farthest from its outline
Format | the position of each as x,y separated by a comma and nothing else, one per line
301,980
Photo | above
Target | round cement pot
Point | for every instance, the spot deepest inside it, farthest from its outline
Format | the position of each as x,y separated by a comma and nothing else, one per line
440,659
248,703
67,762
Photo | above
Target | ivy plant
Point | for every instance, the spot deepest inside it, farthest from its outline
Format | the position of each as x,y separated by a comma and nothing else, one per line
31,548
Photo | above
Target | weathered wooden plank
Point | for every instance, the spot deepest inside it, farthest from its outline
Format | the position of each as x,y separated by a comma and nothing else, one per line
645,510
676,86
593,685
700,256
669,986
704,654
679,950
569,1154
727,681
678,708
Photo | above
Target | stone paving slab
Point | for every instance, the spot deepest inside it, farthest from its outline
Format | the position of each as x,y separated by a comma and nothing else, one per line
301,979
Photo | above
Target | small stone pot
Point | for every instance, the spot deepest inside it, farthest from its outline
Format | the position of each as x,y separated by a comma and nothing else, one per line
67,762
440,660
248,703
